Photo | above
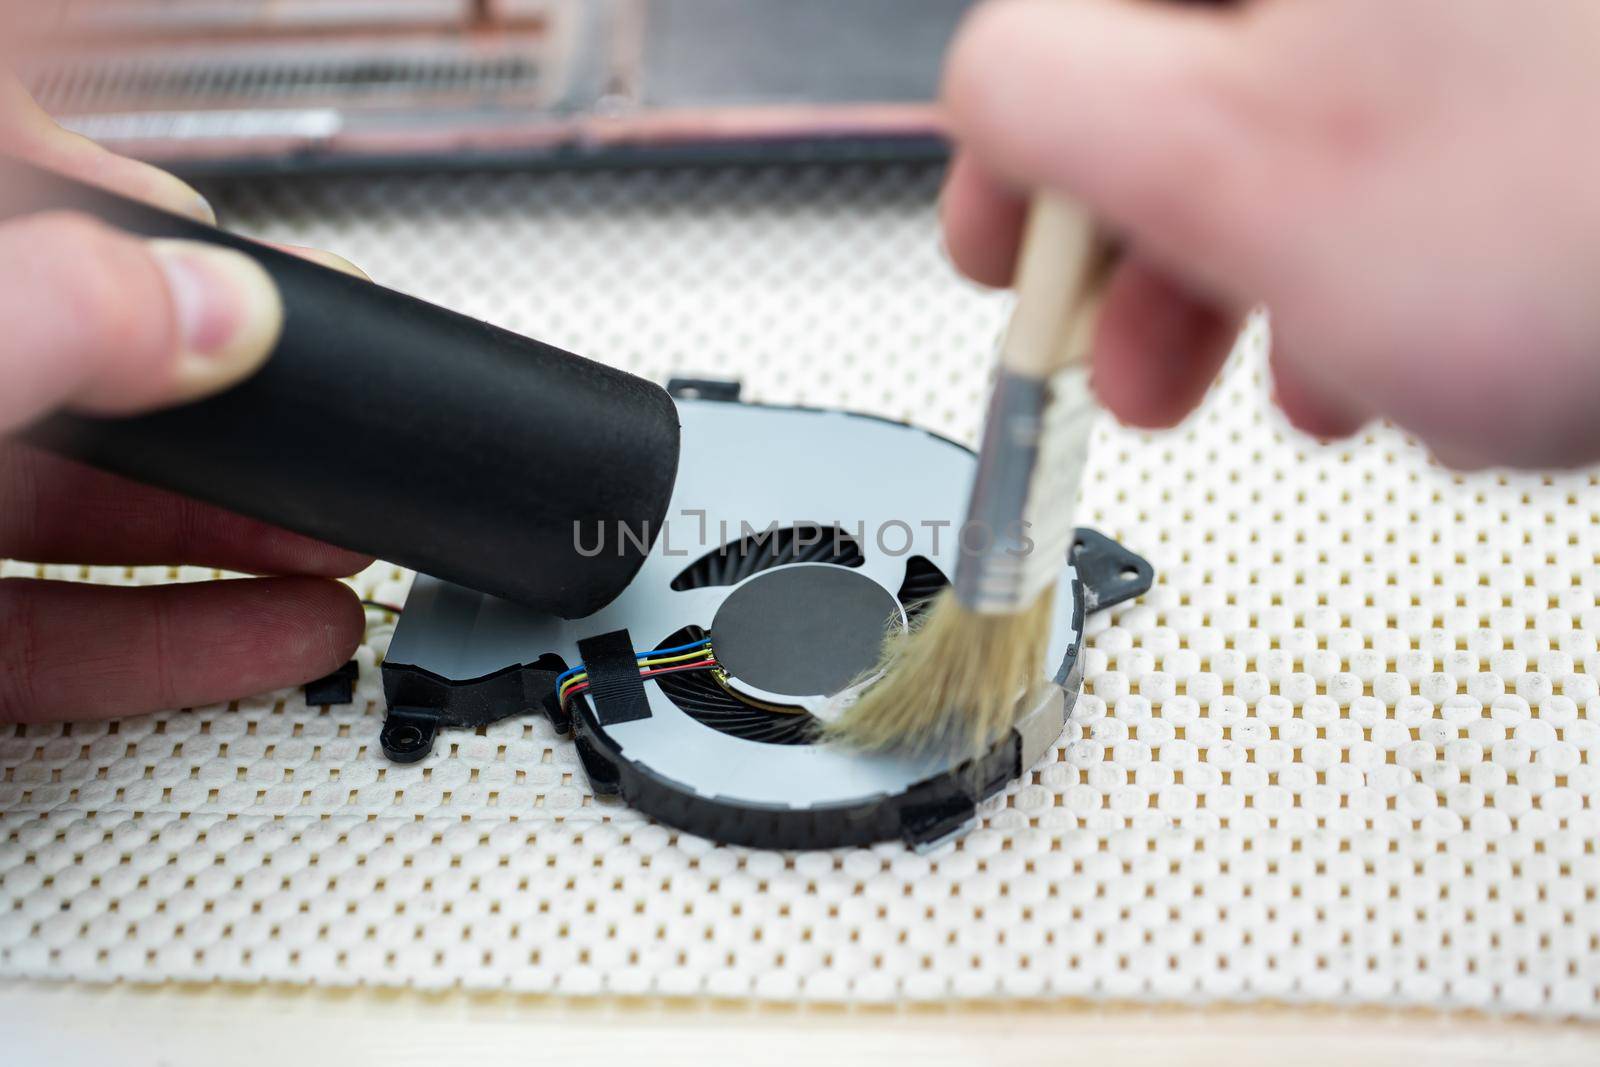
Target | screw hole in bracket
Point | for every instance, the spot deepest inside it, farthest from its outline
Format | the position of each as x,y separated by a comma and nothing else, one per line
408,734
1110,573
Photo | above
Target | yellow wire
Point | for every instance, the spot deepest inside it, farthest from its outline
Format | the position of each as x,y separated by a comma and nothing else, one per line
674,659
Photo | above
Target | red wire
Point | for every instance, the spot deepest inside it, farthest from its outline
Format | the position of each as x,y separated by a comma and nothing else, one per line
653,671
698,665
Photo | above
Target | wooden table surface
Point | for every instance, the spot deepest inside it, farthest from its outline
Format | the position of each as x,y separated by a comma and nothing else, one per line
174,1026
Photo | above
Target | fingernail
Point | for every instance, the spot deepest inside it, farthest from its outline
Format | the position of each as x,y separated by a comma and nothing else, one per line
331,260
200,208
179,197
228,310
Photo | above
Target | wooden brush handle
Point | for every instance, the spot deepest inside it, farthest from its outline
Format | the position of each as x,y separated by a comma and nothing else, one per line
1064,262
1062,268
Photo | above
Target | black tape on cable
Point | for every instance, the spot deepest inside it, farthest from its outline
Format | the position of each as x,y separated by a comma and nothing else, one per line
615,687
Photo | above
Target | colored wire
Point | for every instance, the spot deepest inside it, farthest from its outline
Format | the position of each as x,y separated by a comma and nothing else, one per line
656,661
653,661
581,679
579,686
676,648
565,688
675,670
381,606
579,669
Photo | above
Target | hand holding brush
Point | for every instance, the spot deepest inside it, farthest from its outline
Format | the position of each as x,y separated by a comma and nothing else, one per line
1397,186
957,680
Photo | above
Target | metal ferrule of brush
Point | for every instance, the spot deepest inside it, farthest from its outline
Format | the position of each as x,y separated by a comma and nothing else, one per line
993,576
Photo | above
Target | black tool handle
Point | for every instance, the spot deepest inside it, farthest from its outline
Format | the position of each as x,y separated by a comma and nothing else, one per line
387,425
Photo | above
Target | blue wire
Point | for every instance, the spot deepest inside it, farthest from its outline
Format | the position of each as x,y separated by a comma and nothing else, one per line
638,655
668,651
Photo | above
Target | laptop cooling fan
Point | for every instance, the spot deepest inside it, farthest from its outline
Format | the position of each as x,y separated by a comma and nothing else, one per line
794,536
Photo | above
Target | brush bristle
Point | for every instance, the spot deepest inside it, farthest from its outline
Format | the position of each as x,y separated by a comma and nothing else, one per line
954,683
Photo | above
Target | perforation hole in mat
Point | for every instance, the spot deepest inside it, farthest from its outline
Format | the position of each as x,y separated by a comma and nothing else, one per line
1344,752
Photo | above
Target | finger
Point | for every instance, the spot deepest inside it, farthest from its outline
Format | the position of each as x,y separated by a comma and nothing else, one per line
982,222
75,651
1157,347
322,256
53,510
33,135
1465,459
1142,111
107,323
1309,407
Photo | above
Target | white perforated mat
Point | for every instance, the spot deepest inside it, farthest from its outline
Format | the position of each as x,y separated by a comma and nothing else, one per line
1347,751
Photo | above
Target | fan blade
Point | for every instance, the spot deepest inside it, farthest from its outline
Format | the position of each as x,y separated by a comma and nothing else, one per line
764,549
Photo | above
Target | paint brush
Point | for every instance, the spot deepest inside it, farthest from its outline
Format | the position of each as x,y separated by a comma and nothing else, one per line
958,680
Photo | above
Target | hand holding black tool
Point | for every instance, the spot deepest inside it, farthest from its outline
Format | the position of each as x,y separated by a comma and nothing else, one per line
396,428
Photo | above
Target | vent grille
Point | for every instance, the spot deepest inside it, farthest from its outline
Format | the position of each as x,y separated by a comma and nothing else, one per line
923,581
86,84
765,549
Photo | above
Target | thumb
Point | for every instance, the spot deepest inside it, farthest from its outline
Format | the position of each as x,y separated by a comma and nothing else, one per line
107,323
1142,111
